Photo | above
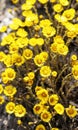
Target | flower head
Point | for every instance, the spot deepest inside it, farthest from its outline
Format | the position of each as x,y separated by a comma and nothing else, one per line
59,108
10,107
42,94
10,90
38,108
71,111
45,71
40,127
28,54
46,116
20,110
53,99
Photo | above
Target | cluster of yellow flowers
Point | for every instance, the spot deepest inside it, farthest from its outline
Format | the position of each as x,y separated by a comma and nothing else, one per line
38,58
51,101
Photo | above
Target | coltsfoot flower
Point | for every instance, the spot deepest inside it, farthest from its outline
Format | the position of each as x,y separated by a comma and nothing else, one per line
10,90
69,14
46,116
53,99
42,94
64,2
38,108
58,8
10,73
40,127
75,71
49,31
59,108
39,60
71,111
27,54
10,107
20,110
45,71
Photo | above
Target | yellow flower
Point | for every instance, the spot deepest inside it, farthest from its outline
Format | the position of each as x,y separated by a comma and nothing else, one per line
8,40
37,27
74,62
31,19
26,6
4,78
71,34
45,71
26,79
37,88
59,108
54,129
33,42
38,108
2,56
54,73
43,1
21,32
69,14
32,2
57,17
1,100
28,54
10,73
40,41
3,29
18,59
15,1
20,110
57,8
31,75
74,57
17,21
13,48
42,94
44,54
10,90
75,71
49,31
54,47
22,42
71,111
19,122
39,60
53,99
46,116
1,88
10,107
8,60
40,127
26,13
45,23
30,82
69,26
58,39
64,2
14,26
62,49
